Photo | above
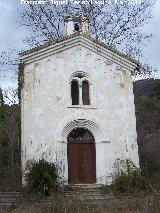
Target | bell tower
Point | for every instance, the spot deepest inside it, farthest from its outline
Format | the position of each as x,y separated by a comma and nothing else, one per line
76,23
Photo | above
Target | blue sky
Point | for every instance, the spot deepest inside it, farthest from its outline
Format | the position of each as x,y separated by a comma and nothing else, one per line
11,34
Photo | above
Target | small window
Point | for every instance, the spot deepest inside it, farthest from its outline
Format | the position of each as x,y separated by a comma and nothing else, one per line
85,93
75,93
80,91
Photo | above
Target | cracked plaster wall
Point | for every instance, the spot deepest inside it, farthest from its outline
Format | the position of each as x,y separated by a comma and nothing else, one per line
46,110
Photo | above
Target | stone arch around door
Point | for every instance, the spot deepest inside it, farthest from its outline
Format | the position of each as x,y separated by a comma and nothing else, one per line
65,126
81,155
71,122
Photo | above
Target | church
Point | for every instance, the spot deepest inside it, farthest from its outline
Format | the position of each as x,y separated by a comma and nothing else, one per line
77,106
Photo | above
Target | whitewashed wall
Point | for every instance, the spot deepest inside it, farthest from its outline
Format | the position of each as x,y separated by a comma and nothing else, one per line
48,117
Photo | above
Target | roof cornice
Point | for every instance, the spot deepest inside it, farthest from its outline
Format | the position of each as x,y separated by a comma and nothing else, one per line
86,41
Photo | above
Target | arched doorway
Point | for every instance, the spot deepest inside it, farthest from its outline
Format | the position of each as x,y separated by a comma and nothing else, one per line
81,156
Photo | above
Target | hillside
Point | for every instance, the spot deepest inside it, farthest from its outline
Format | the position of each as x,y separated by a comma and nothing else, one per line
147,104
146,87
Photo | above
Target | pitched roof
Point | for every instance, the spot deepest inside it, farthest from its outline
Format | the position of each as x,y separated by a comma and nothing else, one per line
59,40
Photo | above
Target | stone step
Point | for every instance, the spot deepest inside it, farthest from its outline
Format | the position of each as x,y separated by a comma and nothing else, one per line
89,192
79,190
85,195
82,187
84,190
89,197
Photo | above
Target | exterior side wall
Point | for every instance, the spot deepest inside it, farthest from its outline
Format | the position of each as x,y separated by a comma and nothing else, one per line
47,115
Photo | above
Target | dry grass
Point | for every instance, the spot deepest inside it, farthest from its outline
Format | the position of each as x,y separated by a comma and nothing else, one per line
61,204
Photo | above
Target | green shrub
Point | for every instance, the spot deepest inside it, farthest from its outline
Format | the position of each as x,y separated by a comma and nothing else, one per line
42,177
128,178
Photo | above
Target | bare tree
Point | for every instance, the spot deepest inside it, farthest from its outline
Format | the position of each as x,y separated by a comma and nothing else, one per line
144,70
119,25
9,125
9,61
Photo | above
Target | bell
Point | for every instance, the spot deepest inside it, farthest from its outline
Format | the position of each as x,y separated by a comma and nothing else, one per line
76,27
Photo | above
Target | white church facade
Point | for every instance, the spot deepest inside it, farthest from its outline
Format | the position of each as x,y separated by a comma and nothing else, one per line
77,106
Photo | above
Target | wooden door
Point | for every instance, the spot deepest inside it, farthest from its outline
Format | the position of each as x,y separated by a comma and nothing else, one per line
81,160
